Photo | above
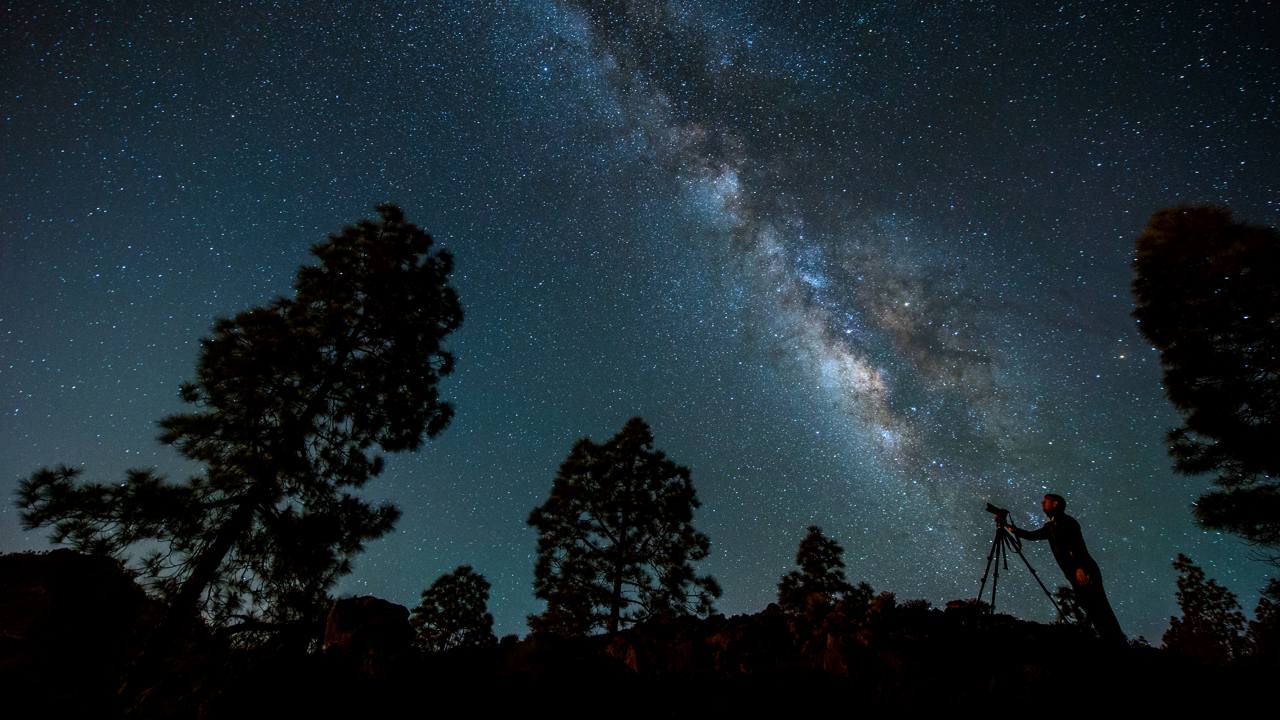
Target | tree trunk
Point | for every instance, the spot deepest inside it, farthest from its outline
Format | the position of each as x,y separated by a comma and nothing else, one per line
181,614
615,609
619,567
182,609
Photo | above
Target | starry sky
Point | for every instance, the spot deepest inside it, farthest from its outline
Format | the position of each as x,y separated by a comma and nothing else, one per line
864,265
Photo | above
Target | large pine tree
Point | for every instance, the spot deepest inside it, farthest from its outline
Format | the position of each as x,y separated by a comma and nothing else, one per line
290,405
1208,298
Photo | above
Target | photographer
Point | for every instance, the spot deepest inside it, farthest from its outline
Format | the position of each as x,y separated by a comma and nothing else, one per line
1067,543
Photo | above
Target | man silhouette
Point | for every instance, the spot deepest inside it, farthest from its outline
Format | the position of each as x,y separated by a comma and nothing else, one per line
1067,543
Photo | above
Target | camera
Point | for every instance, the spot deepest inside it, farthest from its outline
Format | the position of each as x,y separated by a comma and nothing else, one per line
1002,515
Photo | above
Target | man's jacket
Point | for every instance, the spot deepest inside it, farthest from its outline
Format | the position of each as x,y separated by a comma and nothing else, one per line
1067,543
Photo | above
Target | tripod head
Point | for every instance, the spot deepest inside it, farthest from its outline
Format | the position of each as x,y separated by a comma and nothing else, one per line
1004,526
1001,514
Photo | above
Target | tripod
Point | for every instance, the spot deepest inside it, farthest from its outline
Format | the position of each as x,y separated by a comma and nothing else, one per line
1004,540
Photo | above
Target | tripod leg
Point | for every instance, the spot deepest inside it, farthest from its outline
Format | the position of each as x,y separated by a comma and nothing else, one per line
1039,582
991,554
1001,556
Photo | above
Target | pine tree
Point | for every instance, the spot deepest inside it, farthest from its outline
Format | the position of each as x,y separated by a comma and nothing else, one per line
616,541
1264,630
291,403
821,571
1070,610
1212,625
1207,298
454,612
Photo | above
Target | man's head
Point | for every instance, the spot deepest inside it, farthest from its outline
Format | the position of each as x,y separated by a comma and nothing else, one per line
1053,504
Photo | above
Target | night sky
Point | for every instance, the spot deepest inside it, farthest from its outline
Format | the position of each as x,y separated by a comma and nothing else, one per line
863,265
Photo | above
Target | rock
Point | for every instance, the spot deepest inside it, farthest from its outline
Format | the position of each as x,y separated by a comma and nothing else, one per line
69,622
368,632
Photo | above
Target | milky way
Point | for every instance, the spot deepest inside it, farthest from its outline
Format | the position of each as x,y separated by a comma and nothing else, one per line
863,265
873,318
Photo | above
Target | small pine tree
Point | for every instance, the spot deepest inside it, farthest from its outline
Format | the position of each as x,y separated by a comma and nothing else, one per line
1212,625
454,613
1264,629
1071,612
821,571
616,542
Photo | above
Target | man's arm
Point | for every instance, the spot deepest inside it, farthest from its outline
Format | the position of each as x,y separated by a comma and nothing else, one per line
1040,533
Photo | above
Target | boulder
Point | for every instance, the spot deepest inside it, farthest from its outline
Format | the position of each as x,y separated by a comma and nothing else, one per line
69,622
370,633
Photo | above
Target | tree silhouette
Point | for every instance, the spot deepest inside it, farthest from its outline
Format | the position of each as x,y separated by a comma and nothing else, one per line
616,539
454,612
1069,608
1212,626
291,402
821,571
1208,299
1264,630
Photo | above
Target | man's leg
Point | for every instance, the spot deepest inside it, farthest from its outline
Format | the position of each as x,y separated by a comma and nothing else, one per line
1094,601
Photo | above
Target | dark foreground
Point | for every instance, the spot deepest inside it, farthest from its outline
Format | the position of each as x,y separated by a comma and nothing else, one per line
69,624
